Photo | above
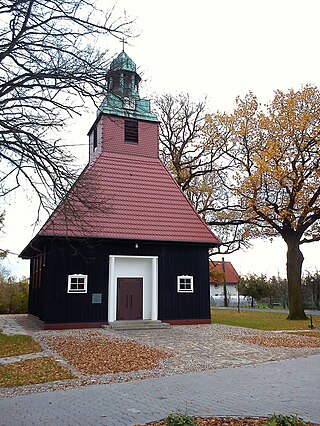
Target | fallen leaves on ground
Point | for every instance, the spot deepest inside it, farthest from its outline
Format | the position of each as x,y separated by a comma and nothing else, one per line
283,341
32,371
97,354
313,333
222,421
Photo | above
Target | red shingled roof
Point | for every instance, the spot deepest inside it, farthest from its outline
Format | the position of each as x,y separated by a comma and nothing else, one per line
128,197
231,274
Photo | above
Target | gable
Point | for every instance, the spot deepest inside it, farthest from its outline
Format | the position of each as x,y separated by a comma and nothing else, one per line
215,268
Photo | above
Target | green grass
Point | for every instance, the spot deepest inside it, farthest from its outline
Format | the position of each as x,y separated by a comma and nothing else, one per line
266,306
17,345
32,371
258,320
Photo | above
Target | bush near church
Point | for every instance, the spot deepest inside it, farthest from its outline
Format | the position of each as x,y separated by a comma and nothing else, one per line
13,295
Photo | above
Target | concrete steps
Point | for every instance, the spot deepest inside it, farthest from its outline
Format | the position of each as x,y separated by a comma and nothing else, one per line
137,325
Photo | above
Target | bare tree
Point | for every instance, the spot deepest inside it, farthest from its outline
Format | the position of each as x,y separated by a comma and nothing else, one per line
194,162
311,289
183,149
49,64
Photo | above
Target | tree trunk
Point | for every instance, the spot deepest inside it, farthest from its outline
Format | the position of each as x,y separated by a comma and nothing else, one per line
271,302
294,269
284,301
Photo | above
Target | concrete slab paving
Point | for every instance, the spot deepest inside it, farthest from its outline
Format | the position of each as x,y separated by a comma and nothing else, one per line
288,387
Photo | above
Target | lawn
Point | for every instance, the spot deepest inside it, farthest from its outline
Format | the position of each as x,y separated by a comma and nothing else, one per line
32,371
259,320
12,345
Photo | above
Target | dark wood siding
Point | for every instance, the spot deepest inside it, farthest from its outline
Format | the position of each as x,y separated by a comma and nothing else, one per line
184,260
72,257
37,287
91,257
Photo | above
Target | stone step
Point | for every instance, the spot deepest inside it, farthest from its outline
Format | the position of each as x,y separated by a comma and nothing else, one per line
137,325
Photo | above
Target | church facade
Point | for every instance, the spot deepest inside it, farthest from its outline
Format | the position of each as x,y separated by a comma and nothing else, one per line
125,243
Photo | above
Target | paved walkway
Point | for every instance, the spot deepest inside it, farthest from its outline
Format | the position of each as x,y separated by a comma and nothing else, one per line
288,387
273,382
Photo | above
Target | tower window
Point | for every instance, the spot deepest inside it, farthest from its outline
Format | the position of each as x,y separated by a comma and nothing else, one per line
131,131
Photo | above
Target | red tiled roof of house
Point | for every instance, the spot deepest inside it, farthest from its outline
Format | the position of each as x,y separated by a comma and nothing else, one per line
231,274
127,197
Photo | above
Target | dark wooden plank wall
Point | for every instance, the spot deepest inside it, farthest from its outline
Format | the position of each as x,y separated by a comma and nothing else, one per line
183,260
71,257
91,257
36,288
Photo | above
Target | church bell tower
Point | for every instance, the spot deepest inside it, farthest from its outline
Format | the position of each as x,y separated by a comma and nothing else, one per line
125,123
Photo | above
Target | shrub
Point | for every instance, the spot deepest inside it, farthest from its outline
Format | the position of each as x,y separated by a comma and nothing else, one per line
13,295
282,420
179,420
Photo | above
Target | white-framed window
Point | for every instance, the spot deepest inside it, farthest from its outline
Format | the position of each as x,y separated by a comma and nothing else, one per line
77,283
185,284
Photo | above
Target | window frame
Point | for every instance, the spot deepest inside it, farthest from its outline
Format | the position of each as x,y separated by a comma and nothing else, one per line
179,283
77,277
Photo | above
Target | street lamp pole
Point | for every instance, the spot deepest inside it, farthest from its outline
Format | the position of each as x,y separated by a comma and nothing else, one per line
224,284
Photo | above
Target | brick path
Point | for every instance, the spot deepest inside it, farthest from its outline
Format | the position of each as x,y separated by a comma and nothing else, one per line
258,381
195,348
213,346
287,387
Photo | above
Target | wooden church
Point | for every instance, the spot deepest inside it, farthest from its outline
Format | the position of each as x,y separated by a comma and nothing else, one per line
125,243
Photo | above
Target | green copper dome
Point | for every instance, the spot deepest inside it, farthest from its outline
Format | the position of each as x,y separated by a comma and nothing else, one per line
123,62
123,97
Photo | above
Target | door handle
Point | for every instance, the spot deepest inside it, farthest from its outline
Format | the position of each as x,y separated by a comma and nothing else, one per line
131,300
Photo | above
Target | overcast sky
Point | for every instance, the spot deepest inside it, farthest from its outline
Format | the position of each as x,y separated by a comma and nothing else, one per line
219,49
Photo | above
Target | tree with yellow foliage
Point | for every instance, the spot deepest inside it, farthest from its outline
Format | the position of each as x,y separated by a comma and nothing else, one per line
272,180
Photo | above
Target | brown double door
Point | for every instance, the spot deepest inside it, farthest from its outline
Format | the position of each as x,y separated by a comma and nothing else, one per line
129,299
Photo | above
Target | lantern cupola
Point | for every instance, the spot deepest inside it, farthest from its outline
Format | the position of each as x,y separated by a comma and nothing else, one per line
123,97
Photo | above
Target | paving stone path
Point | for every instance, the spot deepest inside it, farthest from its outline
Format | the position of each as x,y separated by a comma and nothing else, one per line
239,379
287,387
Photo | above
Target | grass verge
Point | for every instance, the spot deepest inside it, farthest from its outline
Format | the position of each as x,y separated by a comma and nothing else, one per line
32,371
258,320
17,344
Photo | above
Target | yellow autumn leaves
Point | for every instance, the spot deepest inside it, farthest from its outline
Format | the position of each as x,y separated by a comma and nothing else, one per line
272,153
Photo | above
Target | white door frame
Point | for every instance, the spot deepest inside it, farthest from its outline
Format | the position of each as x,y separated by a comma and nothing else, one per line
112,295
